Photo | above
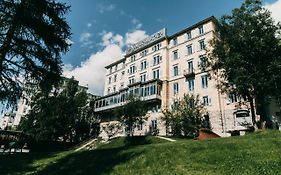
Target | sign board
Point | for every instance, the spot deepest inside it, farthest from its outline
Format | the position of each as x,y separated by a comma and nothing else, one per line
156,36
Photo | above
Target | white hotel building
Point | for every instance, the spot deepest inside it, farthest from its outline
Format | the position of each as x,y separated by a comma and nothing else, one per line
161,69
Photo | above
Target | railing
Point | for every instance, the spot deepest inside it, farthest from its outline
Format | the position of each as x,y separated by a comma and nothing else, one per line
189,72
115,105
147,91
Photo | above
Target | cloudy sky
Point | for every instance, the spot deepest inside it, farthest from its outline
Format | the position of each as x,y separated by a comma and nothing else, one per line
103,28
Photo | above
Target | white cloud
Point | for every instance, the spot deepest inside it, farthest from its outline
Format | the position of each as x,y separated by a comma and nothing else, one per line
86,39
136,23
105,8
89,24
108,38
92,72
85,36
135,36
275,9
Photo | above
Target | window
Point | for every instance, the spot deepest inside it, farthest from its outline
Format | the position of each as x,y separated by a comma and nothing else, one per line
153,89
114,88
116,66
156,60
203,61
139,126
143,65
108,90
131,80
188,35
201,30
190,66
206,101
122,75
233,98
143,77
176,71
175,41
202,44
156,47
154,124
191,103
156,74
175,55
133,58
121,85
109,80
189,49
115,77
123,64
204,81
110,70
143,53
191,84
176,88
132,69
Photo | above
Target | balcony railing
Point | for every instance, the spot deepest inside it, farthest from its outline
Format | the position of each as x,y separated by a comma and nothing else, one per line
189,73
146,91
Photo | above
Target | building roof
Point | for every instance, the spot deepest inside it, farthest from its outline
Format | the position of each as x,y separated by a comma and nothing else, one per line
115,62
211,18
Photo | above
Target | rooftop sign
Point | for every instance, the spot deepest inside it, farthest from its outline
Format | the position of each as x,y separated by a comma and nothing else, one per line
156,36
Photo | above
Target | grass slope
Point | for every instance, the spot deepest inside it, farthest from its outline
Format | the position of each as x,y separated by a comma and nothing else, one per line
258,153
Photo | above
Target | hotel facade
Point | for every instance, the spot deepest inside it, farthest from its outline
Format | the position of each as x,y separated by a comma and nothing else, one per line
160,70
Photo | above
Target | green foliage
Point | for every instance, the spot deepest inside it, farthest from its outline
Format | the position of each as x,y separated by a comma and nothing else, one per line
132,113
64,115
186,117
33,36
247,55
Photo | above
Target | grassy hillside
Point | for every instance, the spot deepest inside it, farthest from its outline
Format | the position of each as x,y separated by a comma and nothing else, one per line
258,153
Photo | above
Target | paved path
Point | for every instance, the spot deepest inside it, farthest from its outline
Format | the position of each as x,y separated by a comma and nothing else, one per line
165,138
86,144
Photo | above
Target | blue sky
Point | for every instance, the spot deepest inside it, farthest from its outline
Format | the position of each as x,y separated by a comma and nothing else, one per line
103,28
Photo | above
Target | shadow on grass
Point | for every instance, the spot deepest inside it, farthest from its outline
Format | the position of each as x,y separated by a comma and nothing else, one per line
20,163
100,161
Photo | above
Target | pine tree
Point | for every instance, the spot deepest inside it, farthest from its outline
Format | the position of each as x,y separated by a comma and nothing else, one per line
33,35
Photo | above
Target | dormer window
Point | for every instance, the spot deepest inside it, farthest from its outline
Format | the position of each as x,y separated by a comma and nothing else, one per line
175,41
133,58
156,47
201,30
188,35
143,53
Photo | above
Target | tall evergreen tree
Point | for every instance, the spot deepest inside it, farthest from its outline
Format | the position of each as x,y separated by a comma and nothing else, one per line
33,35
246,55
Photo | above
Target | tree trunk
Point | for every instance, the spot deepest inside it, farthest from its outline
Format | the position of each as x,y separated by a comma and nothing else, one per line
252,110
263,110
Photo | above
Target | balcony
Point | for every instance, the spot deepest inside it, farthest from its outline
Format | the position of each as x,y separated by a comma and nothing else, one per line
149,91
188,73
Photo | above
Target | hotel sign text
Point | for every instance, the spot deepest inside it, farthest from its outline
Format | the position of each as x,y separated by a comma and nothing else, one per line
158,35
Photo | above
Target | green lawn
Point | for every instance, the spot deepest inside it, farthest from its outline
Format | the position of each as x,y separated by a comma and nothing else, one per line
258,153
